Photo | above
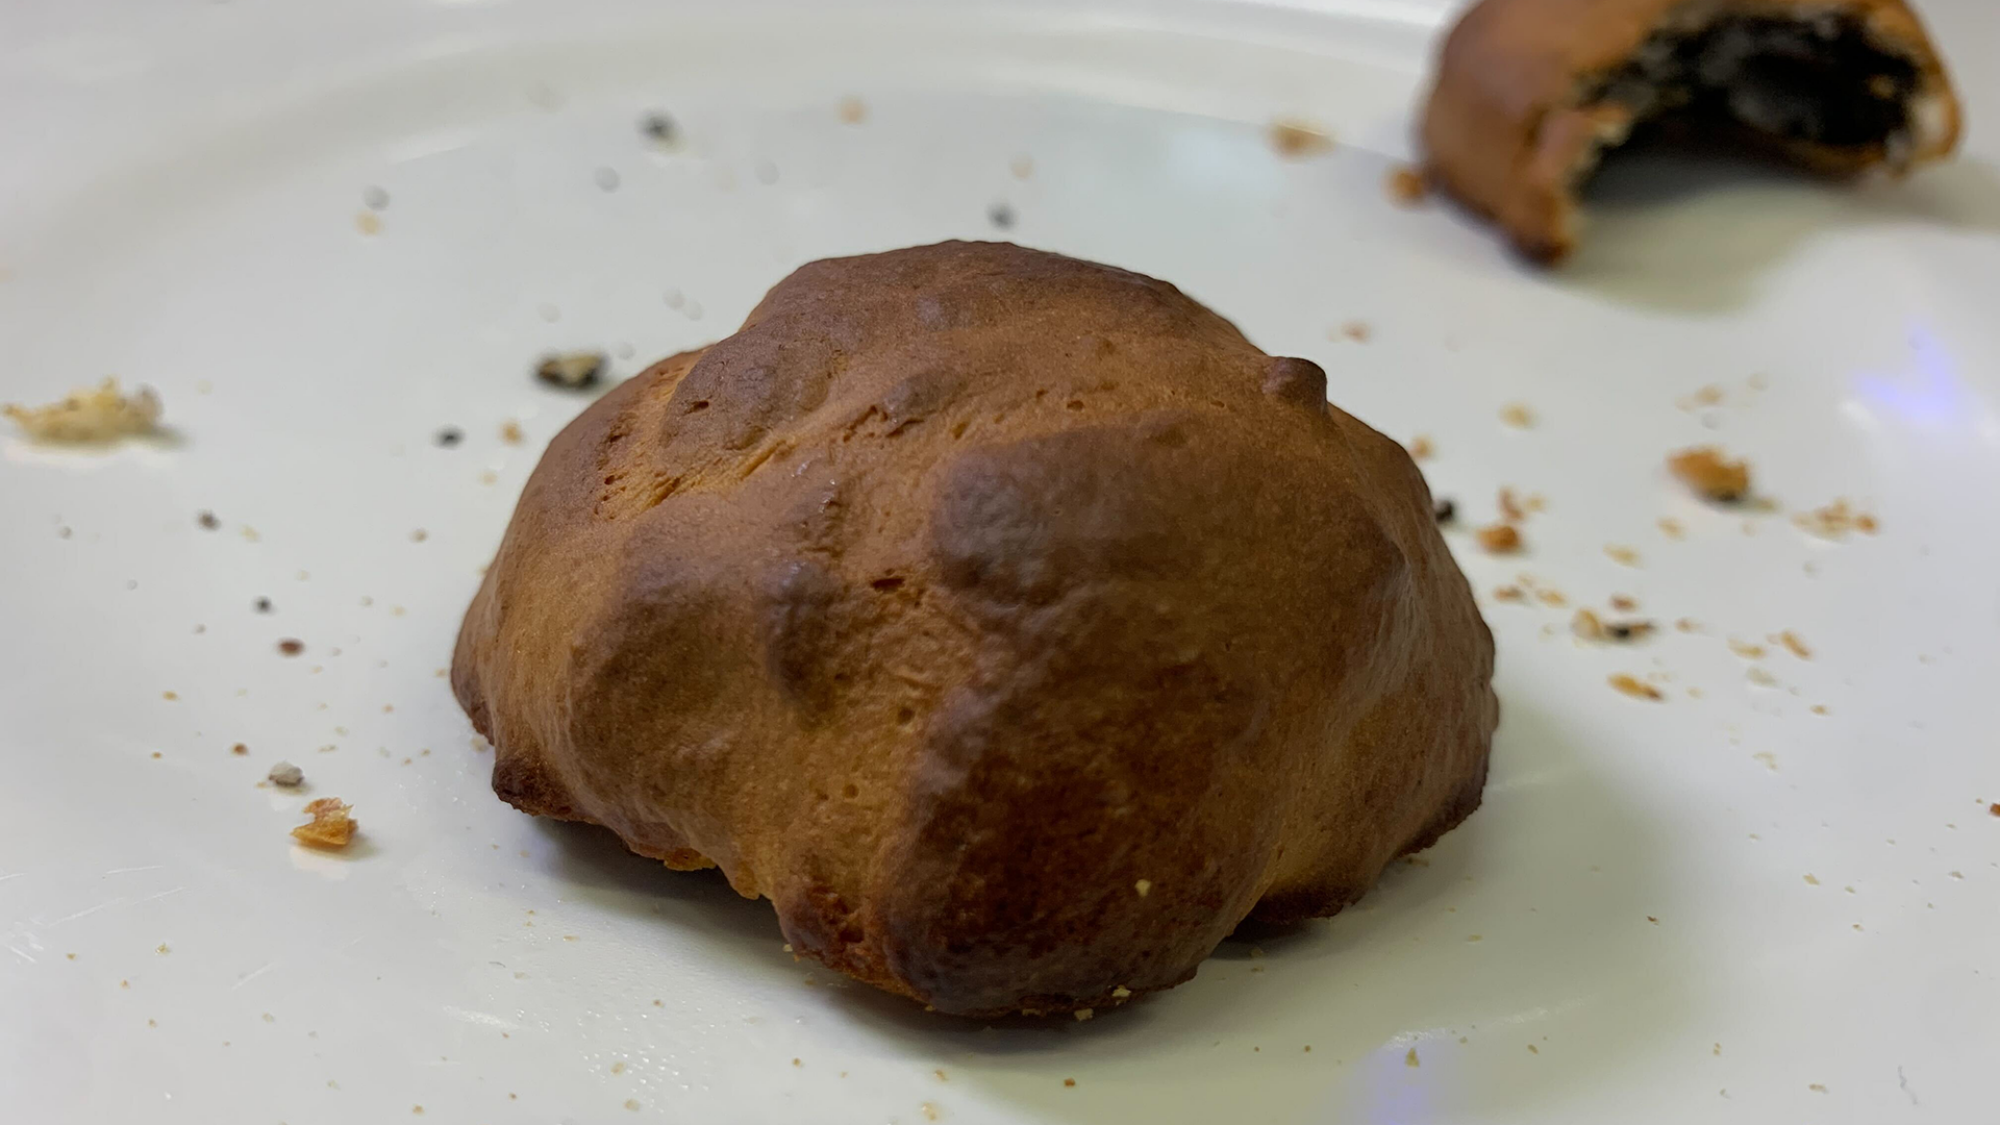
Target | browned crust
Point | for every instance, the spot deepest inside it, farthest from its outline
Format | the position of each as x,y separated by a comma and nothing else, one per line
1009,621
1505,135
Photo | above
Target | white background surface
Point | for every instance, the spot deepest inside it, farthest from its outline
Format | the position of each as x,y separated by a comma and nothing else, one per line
1626,931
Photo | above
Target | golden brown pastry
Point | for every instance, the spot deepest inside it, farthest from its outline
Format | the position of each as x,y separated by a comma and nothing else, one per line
1531,93
1011,622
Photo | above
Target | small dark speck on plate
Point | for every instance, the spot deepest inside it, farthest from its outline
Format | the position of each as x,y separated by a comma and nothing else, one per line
659,127
1446,510
207,521
1001,216
263,605
450,436
291,647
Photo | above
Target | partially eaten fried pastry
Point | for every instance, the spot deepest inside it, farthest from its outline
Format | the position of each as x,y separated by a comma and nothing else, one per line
1530,94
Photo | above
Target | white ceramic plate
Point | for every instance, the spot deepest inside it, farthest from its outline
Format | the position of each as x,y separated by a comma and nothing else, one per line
1724,908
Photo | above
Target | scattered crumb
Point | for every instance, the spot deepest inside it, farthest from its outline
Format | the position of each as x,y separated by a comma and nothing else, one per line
1553,598
1769,760
1407,187
92,417
1636,688
1586,625
659,128
290,647
367,223
449,437
1421,447
162,949
1517,415
1688,625
206,521
1798,647
1710,473
1812,880
1499,539
419,535
331,827
511,433
1624,603
286,775
1022,166
1710,395
1121,993
1144,887
1672,529
852,110
1445,510
1509,594
1623,555
1816,1087
1534,1050
1410,1059
796,1062
572,371
1001,216
930,1111
1819,709
1746,650
1083,1014
1628,630
1295,139
170,696
1835,520
1510,507
1069,1081
1759,676
1994,808
632,1104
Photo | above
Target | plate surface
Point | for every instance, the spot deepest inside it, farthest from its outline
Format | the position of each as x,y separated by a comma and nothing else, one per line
1770,896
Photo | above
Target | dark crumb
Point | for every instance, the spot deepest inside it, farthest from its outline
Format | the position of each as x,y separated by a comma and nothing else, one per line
290,647
572,371
1295,139
450,436
263,605
659,127
1709,472
1069,1081
1628,630
1995,809
1445,510
239,749
207,521
1001,216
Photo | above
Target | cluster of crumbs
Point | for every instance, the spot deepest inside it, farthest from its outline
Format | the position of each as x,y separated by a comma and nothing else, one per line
90,417
330,827
1835,520
1296,139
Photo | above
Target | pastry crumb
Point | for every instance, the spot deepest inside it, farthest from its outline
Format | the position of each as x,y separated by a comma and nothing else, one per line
852,110
367,222
1746,650
290,647
286,775
1407,186
1295,139
1792,642
1358,331
90,417
1624,603
1621,554
1711,474
1710,395
1518,415
1509,594
1587,625
1410,1059
331,827
1421,447
1082,1014
511,433
1510,508
1121,993
1144,887
1069,1081
1835,520
572,371
1499,538
1672,529
1635,687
